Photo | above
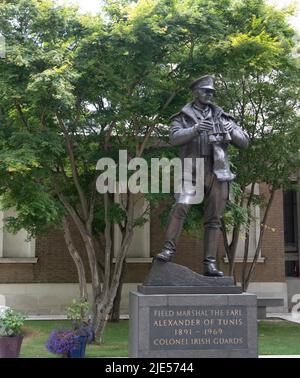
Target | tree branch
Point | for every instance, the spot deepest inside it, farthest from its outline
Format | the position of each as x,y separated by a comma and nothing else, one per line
108,246
21,115
75,175
76,258
151,128
246,249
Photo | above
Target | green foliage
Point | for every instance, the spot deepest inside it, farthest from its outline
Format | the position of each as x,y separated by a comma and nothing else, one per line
234,213
79,314
11,322
131,68
78,310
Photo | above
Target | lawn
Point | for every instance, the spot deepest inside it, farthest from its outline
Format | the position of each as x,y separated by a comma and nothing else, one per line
275,337
37,332
278,337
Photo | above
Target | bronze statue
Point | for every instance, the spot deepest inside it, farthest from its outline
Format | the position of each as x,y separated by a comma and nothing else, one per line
202,129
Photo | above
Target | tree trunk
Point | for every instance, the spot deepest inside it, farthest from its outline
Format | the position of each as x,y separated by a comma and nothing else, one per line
115,313
102,312
247,239
85,232
77,260
104,306
231,248
103,293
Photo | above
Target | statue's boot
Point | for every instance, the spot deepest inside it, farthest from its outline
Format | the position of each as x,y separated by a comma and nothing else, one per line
165,255
211,237
176,221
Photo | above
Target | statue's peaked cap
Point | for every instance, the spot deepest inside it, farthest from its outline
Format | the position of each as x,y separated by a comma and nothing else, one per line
206,81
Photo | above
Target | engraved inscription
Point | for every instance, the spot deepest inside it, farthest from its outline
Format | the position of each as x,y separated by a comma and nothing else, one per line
198,327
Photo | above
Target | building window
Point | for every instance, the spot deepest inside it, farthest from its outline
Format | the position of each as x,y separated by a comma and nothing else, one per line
290,220
15,247
291,233
139,250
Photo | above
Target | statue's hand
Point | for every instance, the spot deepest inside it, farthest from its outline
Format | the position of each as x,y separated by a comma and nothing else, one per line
204,126
228,126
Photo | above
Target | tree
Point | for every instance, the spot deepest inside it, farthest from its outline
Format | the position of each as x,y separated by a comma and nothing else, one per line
77,88
272,121
262,90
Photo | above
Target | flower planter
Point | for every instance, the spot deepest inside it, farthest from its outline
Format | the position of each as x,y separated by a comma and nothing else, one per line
10,346
79,350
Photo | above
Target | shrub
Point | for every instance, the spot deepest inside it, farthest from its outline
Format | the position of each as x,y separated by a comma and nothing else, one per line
11,322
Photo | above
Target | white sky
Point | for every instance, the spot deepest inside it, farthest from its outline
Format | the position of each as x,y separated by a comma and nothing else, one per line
95,5
85,5
295,21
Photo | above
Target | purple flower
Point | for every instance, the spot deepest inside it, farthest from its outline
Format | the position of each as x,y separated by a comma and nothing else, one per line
61,341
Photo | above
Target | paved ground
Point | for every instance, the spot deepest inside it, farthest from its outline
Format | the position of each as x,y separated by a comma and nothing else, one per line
46,317
281,356
295,318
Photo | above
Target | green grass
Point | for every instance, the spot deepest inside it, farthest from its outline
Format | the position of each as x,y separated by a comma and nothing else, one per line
275,337
278,337
37,331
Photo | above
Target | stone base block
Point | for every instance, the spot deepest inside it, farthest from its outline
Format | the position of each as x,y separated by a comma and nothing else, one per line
192,325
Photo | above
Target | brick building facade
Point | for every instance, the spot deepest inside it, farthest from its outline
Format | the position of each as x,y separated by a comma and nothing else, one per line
47,280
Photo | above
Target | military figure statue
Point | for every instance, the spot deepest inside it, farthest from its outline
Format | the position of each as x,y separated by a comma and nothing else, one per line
202,129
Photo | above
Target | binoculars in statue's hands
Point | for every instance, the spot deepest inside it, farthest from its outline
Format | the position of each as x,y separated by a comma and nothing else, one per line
218,137
216,132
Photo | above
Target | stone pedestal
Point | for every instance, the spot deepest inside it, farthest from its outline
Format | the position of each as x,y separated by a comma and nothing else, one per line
192,325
